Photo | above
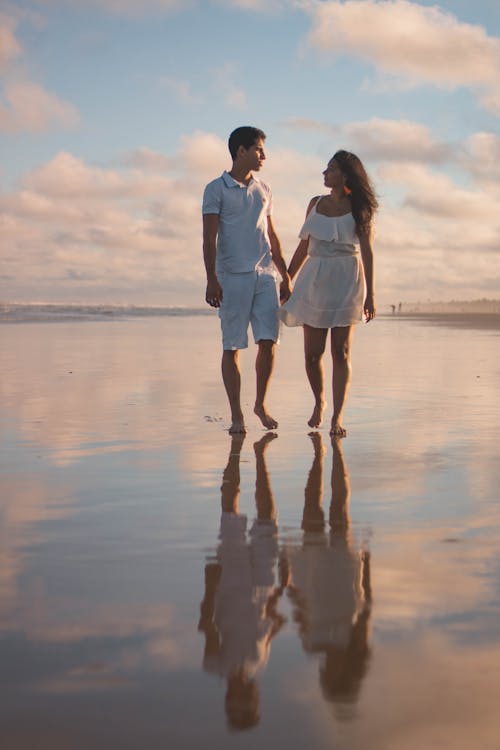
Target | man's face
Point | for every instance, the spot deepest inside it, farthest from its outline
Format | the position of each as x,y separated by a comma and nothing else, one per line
254,156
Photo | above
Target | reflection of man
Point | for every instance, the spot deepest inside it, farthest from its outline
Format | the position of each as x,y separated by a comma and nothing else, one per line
238,612
330,582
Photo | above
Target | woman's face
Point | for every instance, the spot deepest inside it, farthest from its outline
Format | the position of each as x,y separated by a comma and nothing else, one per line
333,176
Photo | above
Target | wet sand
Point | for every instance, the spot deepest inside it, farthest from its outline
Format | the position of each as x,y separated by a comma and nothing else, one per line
162,585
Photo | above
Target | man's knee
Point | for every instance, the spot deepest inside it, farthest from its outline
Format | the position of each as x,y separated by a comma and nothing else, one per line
266,344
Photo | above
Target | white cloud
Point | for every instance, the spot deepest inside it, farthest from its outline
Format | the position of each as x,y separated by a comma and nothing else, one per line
417,43
123,7
148,160
9,46
25,106
181,89
383,140
31,108
482,158
234,96
104,234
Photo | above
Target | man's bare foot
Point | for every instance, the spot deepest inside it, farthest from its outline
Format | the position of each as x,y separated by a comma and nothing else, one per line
317,415
266,419
337,430
238,427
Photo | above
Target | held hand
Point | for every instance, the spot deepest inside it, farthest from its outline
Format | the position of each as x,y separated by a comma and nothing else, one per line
369,308
214,292
285,289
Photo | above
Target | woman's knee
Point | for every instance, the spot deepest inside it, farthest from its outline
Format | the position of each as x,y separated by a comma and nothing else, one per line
341,352
313,358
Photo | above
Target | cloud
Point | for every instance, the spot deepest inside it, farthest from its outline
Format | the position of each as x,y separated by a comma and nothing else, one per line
233,94
25,106
9,46
482,158
131,232
31,108
421,45
148,160
122,7
180,89
383,140
89,230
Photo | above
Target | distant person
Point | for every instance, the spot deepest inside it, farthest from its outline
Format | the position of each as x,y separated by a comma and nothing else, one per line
393,308
400,307
335,285
239,614
242,252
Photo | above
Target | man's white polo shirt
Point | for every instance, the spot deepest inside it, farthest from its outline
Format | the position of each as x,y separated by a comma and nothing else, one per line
242,240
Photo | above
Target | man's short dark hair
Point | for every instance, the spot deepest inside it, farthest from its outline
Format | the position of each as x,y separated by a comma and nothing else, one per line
245,136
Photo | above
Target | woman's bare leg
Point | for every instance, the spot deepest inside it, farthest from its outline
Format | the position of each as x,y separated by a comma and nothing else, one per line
341,355
314,348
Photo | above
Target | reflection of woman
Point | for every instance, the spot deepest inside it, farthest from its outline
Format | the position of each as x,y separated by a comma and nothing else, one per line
330,583
238,612
330,290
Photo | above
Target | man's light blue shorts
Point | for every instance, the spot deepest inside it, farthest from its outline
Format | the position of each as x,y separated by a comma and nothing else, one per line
248,299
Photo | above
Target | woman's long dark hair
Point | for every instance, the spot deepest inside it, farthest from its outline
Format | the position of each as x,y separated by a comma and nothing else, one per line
363,200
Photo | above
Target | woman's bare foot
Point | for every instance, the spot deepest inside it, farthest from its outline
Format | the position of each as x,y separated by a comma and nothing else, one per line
337,430
266,419
238,427
317,415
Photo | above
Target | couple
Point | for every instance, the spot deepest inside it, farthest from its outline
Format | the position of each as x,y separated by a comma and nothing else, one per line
242,252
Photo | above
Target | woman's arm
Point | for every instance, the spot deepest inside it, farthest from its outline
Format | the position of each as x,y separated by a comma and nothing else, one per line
300,253
365,243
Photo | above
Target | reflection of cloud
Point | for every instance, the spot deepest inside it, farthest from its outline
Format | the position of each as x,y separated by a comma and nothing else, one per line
414,43
437,698
26,505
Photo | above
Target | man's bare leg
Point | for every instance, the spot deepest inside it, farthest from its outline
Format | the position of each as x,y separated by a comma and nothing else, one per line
232,382
341,354
314,348
264,365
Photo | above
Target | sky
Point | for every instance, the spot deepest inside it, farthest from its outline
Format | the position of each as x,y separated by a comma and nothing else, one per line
114,114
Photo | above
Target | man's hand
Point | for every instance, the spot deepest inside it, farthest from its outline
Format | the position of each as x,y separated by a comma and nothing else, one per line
214,292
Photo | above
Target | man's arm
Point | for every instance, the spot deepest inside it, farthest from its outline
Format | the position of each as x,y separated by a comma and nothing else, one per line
279,261
213,293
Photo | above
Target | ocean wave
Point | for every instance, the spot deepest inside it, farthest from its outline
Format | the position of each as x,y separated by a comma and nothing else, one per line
39,313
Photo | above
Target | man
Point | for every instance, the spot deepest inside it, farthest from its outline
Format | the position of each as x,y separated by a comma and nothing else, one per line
241,252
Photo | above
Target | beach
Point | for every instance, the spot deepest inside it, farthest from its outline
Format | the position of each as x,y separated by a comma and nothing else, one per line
164,585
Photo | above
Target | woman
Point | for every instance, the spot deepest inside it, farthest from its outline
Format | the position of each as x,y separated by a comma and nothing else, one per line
335,284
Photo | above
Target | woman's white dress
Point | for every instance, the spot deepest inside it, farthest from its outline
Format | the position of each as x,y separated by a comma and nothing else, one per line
330,288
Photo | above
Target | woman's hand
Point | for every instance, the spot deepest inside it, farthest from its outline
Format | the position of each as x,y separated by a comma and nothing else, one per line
285,289
369,308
